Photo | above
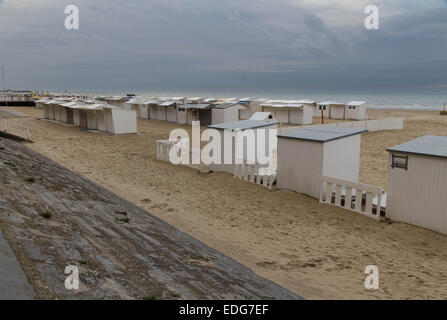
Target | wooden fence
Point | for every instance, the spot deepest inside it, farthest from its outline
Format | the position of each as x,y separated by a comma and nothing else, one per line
370,125
361,198
14,131
255,173
164,148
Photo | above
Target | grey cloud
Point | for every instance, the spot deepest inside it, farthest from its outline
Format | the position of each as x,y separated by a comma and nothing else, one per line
215,45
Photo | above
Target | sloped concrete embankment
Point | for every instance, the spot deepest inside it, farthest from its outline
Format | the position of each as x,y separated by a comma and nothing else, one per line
53,218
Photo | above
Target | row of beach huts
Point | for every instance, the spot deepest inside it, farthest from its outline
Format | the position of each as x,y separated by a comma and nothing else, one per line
319,161
118,114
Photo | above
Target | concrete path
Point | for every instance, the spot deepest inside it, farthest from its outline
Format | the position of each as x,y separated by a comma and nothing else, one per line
13,282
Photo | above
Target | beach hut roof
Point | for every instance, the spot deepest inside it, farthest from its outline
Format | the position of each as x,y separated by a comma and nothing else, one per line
356,103
69,104
95,106
306,101
243,125
167,103
322,134
329,103
151,101
228,105
201,106
435,146
273,105
262,116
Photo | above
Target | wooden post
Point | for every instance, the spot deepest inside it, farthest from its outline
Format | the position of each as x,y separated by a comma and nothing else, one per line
322,120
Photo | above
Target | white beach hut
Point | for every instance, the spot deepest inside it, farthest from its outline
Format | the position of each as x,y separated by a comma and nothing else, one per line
304,156
199,112
167,108
294,113
240,127
417,183
118,101
41,103
137,104
152,108
107,118
336,110
227,112
356,110
326,106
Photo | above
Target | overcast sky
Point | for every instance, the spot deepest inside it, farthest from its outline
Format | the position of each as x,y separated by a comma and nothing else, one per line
224,45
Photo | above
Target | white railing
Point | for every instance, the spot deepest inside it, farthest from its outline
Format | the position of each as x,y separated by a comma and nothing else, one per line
361,198
255,173
370,125
14,129
164,148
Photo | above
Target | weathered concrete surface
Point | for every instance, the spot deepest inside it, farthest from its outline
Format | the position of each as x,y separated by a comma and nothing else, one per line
144,258
13,283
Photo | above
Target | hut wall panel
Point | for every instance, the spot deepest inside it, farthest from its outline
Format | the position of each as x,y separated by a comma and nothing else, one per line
161,113
342,158
417,196
337,112
299,166
171,114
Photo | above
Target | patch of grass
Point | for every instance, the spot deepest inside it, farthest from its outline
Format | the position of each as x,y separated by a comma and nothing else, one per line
125,220
150,298
175,294
9,164
123,213
45,215
30,180
199,257
82,262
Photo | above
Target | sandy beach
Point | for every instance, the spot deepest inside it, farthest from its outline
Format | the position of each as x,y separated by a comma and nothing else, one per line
317,251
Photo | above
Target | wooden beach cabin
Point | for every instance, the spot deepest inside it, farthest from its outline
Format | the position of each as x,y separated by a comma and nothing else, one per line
356,110
324,106
305,155
199,112
266,123
417,183
227,112
336,110
138,105
162,109
294,113
152,108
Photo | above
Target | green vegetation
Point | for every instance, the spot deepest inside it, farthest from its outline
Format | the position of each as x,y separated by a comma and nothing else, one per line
45,215
199,257
125,220
9,164
175,294
30,180
123,213
150,298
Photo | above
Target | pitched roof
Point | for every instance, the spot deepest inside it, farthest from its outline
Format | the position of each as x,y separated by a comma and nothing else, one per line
242,125
321,134
435,146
